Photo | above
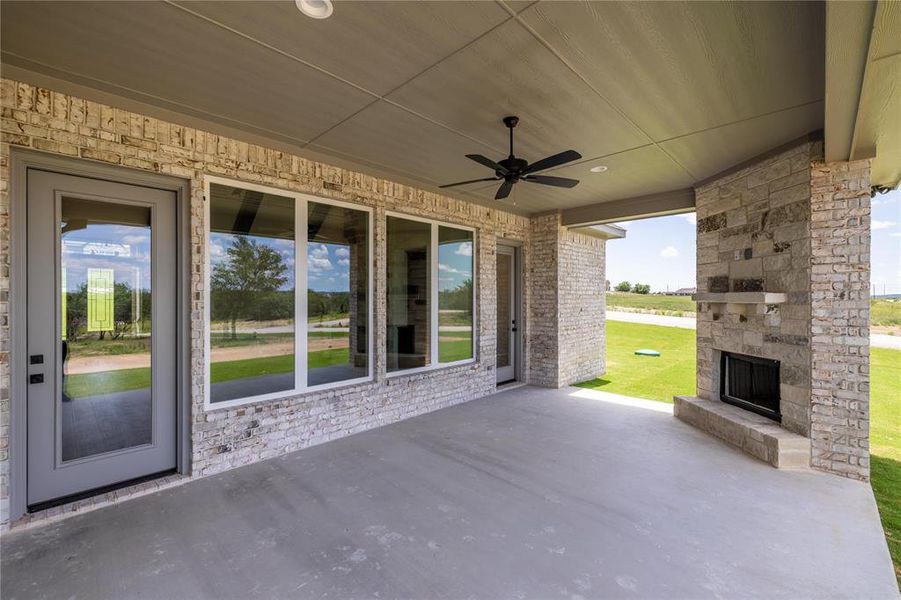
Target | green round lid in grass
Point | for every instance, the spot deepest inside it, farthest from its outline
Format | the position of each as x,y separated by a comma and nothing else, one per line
647,352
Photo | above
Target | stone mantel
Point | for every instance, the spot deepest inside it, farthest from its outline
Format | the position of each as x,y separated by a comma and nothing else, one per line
741,297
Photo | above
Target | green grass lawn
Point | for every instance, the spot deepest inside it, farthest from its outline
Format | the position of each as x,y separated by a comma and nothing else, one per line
885,312
653,377
885,444
454,351
673,373
664,304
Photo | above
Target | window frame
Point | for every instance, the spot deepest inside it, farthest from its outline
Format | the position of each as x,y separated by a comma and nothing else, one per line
301,282
435,363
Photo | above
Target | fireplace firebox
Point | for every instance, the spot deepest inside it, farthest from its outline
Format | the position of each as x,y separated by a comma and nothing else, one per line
751,383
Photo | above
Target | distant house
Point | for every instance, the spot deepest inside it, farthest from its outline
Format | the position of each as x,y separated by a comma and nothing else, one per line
685,291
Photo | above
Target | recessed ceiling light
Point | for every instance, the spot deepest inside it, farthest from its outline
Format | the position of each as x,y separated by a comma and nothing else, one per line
598,169
315,9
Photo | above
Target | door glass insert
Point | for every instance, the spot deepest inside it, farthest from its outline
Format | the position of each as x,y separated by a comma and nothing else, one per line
105,328
504,309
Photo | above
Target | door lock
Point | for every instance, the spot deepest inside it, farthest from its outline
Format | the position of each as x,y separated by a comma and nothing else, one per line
36,378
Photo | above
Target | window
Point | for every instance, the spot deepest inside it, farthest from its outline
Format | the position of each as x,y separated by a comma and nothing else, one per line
430,294
409,293
285,313
455,294
337,298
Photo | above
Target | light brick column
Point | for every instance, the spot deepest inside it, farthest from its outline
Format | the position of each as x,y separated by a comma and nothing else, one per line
840,310
567,327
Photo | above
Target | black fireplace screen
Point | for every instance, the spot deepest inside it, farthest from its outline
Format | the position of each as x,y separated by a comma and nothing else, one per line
751,383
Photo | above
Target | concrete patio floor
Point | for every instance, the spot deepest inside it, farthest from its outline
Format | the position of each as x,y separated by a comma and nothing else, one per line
529,493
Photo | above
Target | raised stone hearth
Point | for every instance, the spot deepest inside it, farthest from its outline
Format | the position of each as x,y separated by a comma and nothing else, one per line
756,435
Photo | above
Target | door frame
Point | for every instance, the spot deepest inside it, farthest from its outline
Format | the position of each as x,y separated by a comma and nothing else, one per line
518,312
20,161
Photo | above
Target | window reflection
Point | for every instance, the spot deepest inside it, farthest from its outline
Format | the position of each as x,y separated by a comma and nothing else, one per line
105,326
252,257
337,294
455,294
408,303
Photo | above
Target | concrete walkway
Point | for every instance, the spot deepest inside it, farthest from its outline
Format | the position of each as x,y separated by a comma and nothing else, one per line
877,340
530,493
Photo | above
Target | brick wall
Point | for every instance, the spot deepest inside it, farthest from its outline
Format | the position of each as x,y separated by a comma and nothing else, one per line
840,310
567,333
48,121
581,302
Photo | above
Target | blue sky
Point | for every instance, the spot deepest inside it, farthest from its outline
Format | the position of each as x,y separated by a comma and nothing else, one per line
661,251
885,222
454,264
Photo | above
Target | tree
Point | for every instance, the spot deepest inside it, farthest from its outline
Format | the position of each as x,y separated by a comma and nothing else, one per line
623,286
251,274
641,288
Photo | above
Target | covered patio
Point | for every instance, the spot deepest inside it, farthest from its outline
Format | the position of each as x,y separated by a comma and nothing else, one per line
267,270
529,493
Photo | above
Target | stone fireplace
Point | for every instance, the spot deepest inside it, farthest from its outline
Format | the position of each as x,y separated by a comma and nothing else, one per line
782,304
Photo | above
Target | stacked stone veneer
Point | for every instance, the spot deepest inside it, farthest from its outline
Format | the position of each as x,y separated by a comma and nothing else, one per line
793,225
567,333
43,120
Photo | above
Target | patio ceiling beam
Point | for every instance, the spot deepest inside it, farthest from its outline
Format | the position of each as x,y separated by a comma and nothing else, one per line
651,205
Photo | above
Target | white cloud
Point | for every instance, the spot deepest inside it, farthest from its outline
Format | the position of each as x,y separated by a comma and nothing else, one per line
342,252
344,262
216,250
669,252
875,224
318,259
691,218
464,249
450,269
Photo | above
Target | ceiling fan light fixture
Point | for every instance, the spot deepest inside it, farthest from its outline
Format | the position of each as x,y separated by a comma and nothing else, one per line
598,169
513,170
315,9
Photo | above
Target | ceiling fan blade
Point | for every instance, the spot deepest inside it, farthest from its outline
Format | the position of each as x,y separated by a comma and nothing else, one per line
554,181
504,190
447,185
552,161
485,161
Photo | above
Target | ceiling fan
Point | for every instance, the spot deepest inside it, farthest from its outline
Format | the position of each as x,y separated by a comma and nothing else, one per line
512,169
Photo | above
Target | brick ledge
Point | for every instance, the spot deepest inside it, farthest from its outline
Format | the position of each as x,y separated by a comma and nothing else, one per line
756,435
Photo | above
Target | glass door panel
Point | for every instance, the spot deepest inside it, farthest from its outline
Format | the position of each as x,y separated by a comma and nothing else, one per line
106,327
506,314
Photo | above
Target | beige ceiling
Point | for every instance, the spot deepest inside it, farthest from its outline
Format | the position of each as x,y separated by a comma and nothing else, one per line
863,86
664,94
